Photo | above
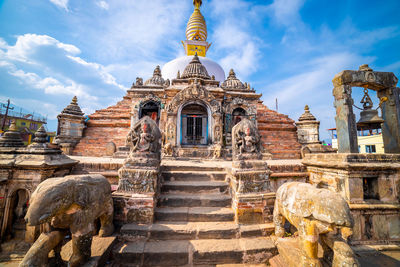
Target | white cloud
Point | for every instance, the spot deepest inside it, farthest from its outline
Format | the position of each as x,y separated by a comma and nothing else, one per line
286,12
233,41
27,46
61,3
62,73
103,4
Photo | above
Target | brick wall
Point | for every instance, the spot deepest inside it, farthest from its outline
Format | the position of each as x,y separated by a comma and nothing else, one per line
278,134
104,126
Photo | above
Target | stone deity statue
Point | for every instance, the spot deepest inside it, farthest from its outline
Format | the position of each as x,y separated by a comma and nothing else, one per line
143,138
246,140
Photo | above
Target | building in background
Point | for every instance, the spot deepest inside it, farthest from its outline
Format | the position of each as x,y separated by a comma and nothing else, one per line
369,141
27,122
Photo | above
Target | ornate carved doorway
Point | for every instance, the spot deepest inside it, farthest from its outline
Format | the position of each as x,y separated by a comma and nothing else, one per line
194,126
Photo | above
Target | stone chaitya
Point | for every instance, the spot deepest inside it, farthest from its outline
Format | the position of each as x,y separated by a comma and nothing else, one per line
308,134
70,126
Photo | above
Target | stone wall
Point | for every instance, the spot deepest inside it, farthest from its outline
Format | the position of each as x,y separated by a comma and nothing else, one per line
105,126
278,134
370,183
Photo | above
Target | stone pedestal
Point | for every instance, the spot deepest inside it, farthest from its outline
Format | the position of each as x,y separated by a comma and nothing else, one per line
252,200
136,196
289,253
370,183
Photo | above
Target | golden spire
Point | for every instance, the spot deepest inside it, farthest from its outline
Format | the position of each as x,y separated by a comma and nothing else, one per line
196,29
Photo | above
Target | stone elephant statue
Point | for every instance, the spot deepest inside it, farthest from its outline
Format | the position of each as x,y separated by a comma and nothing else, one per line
320,215
71,203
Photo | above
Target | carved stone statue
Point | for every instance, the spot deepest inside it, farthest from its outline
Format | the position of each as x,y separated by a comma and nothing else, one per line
318,214
144,137
73,202
246,140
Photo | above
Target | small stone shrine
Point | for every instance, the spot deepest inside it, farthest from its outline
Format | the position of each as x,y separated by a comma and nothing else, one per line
70,126
308,134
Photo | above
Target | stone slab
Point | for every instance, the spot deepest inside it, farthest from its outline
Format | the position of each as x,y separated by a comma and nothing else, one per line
100,251
216,251
195,200
168,253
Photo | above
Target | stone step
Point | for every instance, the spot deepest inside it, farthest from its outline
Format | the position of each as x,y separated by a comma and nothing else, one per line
194,230
195,186
192,167
194,200
190,175
195,252
194,214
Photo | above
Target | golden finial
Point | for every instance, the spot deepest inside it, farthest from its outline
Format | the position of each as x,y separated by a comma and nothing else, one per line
74,100
197,3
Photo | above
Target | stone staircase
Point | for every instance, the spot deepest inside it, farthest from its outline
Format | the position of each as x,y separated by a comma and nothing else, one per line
194,225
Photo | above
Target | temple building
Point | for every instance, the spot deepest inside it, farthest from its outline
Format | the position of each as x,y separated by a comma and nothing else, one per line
194,104
190,168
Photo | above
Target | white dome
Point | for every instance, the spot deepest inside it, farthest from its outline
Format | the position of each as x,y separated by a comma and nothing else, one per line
170,69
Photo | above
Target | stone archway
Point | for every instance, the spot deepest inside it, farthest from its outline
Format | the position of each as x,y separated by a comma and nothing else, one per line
193,94
385,85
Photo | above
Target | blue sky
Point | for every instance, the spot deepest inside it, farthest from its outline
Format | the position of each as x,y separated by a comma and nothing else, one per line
51,50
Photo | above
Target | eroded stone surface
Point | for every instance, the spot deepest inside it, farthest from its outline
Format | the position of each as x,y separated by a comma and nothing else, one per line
74,203
318,214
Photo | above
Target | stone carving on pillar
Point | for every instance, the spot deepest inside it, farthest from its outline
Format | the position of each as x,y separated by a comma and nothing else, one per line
171,130
250,174
139,175
318,214
345,120
69,203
